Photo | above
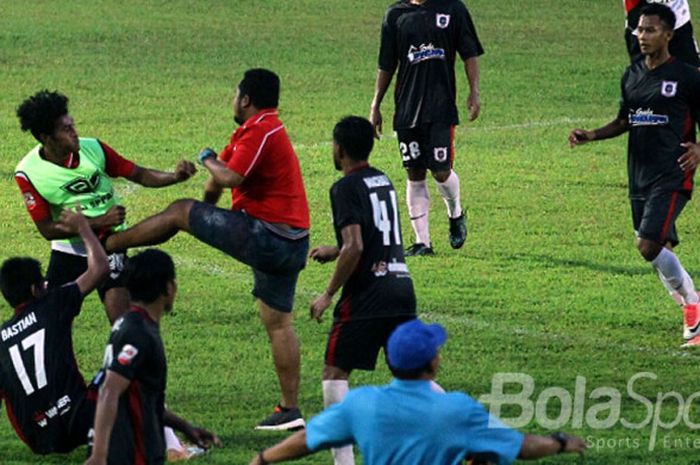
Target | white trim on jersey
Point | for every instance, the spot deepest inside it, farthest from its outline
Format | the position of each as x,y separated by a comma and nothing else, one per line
262,144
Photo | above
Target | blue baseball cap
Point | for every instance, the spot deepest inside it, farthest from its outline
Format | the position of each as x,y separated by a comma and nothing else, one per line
413,344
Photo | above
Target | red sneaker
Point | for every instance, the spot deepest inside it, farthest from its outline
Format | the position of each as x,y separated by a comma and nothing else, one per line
691,321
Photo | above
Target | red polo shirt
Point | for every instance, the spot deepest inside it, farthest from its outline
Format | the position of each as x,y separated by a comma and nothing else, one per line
272,189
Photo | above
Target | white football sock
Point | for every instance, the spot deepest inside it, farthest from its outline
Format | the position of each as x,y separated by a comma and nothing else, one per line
172,442
418,200
675,295
449,190
334,390
668,266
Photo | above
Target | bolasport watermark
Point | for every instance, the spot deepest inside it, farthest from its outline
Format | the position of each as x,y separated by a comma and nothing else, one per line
651,417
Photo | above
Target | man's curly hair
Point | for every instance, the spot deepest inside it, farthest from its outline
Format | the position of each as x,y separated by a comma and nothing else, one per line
39,112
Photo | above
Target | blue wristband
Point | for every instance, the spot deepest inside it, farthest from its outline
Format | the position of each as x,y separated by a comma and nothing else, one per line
204,154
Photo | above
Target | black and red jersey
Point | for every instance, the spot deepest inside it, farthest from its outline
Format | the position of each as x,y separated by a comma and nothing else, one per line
660,106
381,285
423,40
39,376
135,351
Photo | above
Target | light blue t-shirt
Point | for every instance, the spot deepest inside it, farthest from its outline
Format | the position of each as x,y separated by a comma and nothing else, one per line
408,423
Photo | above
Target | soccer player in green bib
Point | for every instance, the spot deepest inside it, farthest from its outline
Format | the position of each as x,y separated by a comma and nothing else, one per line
65,170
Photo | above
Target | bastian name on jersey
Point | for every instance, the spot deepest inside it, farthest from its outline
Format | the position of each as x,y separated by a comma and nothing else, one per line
647,117
18,327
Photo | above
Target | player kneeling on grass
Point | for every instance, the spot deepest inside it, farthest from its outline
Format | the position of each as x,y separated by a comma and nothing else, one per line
408,423
660,100
130,408
377,292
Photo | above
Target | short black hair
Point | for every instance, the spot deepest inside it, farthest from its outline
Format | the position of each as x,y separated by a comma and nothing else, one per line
17,276
665,14
416,373
262,87
39,112
147,275
356,137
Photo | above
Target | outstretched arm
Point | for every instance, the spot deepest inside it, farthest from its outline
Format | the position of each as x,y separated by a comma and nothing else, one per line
614,128
380,87
535,446
348,258
51,229
153,178
201,437
98,266
291,448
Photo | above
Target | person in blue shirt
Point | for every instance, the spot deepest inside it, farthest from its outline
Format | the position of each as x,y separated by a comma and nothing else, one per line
407,422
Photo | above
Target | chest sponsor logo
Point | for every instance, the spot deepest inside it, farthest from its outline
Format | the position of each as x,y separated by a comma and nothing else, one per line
82,185
646,117
425,52
62,406
442,20
127,355
669,88
117,263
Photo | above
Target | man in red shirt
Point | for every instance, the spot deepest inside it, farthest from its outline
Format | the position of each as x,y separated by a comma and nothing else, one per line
64,170
266,227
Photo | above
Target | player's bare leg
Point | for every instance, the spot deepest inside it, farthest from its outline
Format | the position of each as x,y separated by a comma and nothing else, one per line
285,354
448,186
335,388
116,303
418,200
155,229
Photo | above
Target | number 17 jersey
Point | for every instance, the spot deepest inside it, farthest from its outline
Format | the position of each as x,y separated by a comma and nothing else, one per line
381,284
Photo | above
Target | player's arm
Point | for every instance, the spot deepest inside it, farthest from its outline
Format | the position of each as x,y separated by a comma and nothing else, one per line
219,173
148,177
471,68
98,266
348,258
324,253
112,388
536,446
201,437
381,85
212,191
614,128
291,448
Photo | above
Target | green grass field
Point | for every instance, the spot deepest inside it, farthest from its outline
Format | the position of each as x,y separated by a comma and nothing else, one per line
549,283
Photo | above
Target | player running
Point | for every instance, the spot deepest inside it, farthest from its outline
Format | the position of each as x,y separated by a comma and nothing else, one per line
660,101
65,170
377,292
422,38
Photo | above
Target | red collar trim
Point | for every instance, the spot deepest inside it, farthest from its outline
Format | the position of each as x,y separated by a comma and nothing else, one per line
259,116
20,308
142,311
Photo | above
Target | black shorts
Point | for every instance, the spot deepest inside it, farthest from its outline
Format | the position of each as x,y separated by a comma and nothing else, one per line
81,422
355,344
682,45
430,146
276,261
65,268
654,217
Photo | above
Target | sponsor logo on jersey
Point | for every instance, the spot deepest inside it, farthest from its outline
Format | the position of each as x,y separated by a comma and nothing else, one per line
376,181
117,262
82,185
379,269
18,327
440,154
425,52
29,200
40,419
442,20
669,88
647,118
127,355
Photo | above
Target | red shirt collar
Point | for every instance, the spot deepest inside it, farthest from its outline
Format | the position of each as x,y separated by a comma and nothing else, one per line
262,113
20,308
142,311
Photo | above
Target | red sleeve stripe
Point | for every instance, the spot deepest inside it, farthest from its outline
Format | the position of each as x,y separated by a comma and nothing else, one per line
262,144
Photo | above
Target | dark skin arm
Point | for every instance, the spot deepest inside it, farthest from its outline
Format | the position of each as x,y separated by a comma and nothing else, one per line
614,128
535,446
348,258
291,448
153,178
199,436
221,175
471,68
51,229
380,87
97,264
212,191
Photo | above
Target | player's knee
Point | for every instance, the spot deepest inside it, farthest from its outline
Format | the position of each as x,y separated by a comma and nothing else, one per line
648,249
441,176
180,209
416,174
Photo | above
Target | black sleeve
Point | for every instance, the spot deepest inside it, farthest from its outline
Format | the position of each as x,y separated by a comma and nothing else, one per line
67,300
468,44
130,348
345,205
695,94
623,112
388,48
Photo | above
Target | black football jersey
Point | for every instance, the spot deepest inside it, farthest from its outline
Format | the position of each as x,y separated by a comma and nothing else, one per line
422,40
660,106
381,284
135,351
39,377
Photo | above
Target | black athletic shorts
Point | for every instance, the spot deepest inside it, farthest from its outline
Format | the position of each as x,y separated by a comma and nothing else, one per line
65,268
654,217
355,344
276,261
430,146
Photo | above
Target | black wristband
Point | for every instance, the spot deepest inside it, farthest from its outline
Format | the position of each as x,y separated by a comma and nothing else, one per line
261,459
562,439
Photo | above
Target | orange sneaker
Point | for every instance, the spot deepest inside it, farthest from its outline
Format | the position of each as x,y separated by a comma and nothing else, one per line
692,343
691,321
